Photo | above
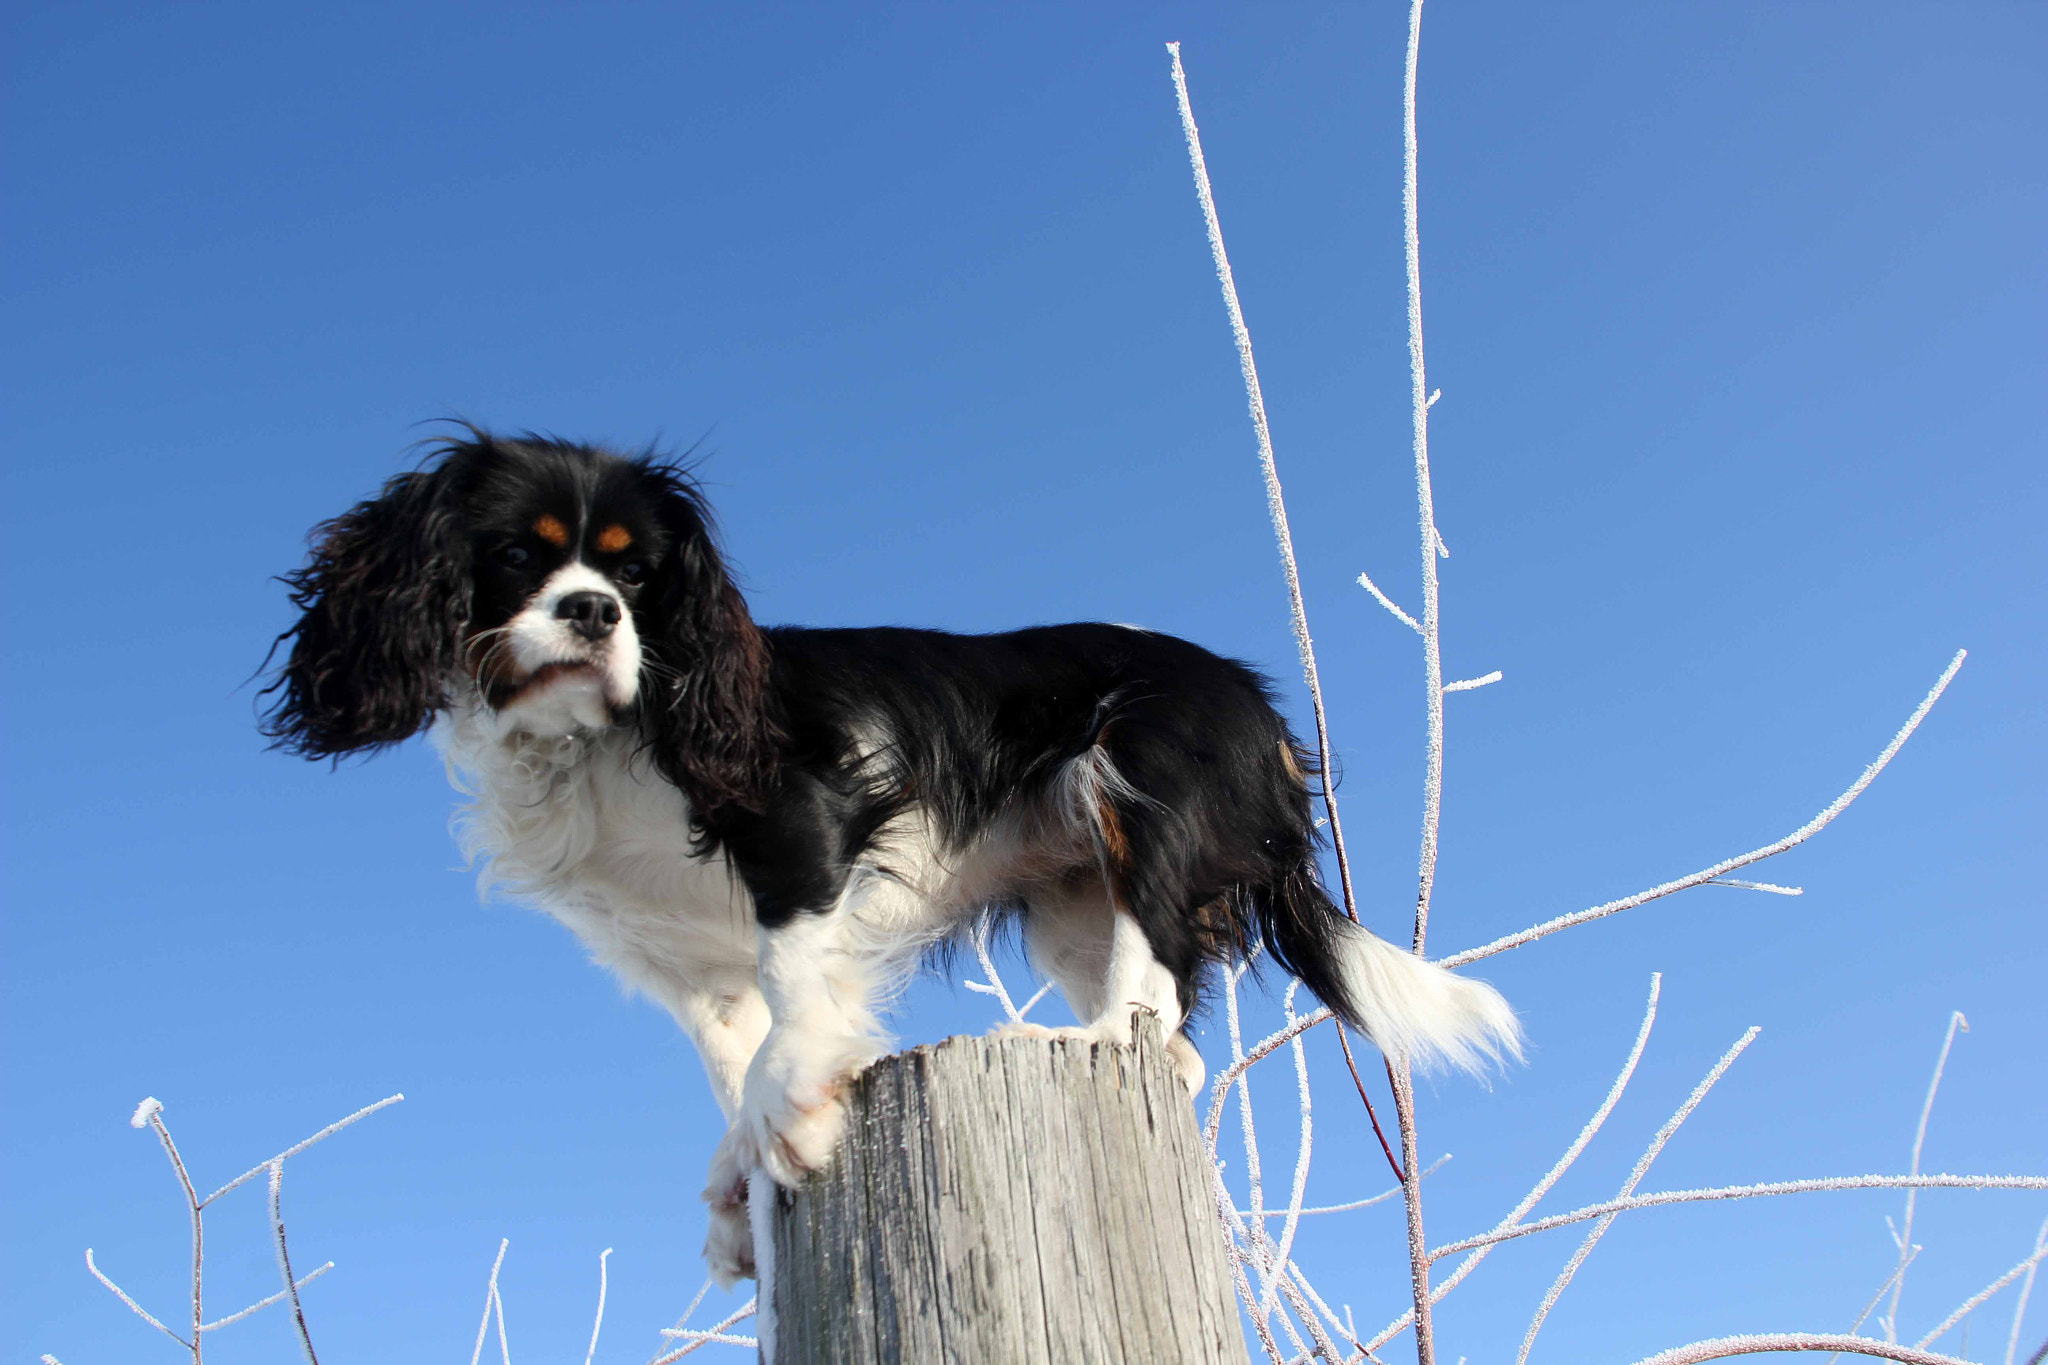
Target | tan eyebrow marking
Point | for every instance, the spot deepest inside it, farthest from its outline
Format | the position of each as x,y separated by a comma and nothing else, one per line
614,538
549,528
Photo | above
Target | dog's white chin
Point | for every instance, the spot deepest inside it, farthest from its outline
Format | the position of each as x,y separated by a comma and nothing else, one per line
563,700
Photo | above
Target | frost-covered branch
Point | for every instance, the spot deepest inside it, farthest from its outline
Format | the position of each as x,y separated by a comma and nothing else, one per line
1635,1176
694,1339
1976,1301
1481,1248
284,1260
150,1114
1891,1322
597,1324
288,1153
1469,684
493,1303
994,984
305,1279
1720,869
137,1308
2019,1310
1276,505
1762,1189
1721,1347
1365,581
1425,498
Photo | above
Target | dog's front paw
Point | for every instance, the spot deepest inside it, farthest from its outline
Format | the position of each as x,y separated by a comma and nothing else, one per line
792,1108
729,1241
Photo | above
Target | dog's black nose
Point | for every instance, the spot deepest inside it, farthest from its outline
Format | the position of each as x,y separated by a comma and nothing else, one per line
591,614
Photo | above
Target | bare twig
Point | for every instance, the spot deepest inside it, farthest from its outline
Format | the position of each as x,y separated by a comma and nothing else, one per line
1284,1250
1432,543
597,1325
135,1307
1365,581
1975,1301
694,1339
284,1259
490,1301
1411,1190
2019,1310
1875,1300
1382,1197
1642,1168
1481,1248
329,1131
1276,506
315,1273
1721,1347
1891,1322
151,1112
1220,1089
1705,875
1469,684
1765,1189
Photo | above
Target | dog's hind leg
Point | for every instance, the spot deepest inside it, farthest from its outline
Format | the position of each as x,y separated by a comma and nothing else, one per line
1099,957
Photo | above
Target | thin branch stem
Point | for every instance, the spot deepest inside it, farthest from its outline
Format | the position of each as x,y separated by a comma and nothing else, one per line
329,1131
1700,878
1285,1249
598,1325
1259,1051
284,1259
133,1306
1976,1301
1635,1177
1721,1347
1432,638
1382,1197
1276,506
490,1297
193,1202
1482,1247
715,1333
1365,581
1351,1065
2019,1310
1411,1191
1955,1021
1823,1185
315,1273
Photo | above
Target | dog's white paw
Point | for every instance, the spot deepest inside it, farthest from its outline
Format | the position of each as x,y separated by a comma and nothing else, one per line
1187,1062
1024,1028
729,1240
792,1107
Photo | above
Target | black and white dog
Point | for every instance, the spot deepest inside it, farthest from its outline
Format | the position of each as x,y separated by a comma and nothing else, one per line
766,829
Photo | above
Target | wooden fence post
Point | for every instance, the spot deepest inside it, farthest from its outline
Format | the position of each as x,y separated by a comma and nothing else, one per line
1004,1201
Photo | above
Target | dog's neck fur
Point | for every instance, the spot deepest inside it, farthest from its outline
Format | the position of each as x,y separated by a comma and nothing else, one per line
579,824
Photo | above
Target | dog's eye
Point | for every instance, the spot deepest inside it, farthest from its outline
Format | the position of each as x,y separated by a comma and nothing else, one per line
515,556
632,571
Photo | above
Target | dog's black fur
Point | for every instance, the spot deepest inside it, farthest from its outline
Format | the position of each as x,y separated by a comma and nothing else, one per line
771,734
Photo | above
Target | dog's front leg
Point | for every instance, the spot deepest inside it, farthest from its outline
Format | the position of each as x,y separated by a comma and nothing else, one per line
727,1019
822,1031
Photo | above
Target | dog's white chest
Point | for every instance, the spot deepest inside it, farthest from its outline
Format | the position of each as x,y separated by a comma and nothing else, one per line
583,827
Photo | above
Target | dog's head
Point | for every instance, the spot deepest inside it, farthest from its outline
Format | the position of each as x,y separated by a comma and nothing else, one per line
558,585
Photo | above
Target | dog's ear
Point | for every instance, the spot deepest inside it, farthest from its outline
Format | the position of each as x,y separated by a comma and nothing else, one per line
384,598
705,699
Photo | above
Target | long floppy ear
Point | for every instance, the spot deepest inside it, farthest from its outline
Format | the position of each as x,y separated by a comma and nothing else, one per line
705,701
384,597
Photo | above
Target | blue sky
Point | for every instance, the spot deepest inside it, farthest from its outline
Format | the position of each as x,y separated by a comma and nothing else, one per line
1737,310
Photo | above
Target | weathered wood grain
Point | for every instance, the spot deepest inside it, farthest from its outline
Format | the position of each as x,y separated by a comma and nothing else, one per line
1009,1201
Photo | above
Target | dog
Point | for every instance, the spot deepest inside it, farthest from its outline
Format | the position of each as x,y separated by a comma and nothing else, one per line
767,829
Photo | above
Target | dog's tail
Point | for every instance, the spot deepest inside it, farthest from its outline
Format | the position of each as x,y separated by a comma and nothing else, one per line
1410,1008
